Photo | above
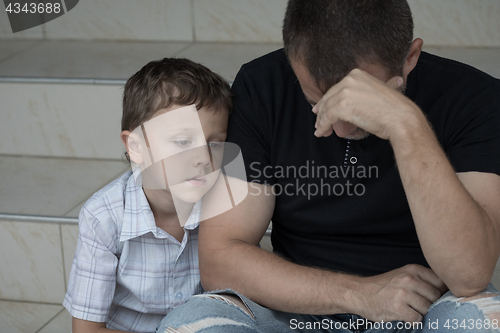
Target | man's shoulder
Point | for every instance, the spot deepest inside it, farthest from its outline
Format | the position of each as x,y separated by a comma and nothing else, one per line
275,61
450,71
444,81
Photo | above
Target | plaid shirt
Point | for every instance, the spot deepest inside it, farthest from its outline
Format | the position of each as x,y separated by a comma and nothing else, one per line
127,272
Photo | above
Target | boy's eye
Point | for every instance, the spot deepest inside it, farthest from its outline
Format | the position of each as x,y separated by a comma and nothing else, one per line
182,143
215,145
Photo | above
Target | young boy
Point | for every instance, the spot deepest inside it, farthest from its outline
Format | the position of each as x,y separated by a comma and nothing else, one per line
137,252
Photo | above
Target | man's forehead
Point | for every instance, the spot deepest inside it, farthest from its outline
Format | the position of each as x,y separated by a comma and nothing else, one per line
310,88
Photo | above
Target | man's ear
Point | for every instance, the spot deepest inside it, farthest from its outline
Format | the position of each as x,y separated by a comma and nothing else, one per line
413,55
133,145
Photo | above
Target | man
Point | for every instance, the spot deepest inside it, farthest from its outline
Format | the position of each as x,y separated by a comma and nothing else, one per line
354,247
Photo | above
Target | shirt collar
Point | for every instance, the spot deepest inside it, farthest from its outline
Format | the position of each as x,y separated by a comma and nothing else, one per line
138,219
194,218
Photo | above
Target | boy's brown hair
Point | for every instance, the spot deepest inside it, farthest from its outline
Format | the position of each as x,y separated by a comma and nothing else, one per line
169,81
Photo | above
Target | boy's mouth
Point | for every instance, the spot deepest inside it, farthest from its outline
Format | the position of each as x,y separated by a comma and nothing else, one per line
197,181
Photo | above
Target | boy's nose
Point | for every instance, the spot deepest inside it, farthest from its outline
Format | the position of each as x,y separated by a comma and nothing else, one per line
202,157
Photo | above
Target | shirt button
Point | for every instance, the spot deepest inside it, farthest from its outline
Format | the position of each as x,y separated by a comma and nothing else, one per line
353,160
178,295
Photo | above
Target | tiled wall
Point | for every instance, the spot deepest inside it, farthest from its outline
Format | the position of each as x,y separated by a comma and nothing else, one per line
457,22
438,22
238,21
36,260
70,120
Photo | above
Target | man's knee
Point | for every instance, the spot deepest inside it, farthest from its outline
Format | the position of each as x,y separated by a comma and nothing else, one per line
487,302
217,323
230,299
221,312
477,313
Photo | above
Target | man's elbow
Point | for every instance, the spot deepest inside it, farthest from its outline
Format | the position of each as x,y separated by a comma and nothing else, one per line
470,286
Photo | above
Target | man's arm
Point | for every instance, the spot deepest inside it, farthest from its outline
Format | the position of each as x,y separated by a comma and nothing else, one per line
457,217
230,258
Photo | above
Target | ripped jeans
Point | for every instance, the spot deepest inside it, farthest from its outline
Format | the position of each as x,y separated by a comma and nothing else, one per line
213,313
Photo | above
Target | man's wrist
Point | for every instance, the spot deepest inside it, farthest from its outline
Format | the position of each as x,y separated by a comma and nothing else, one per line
412,129
353,295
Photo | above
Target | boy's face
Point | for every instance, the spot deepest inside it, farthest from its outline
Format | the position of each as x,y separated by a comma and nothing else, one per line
181,150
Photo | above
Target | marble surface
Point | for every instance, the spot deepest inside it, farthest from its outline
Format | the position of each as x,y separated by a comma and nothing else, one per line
239,21
485,59
51,186
60,324
80,59
6,30
75,212
265,243
226,58
68,120
82,120
496,276
124,20
462,23
457,22
119,60
69,235
31,261
12,48
21,317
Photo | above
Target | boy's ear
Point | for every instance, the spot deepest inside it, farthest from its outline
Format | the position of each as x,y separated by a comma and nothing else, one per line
133,145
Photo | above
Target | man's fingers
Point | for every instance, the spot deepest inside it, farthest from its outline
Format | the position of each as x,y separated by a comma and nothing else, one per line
323,123
325,115
420,304
429,276
428,291
395,82
328,132
410,315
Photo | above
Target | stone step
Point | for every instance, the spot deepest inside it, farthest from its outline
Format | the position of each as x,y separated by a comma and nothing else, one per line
63,99
462,23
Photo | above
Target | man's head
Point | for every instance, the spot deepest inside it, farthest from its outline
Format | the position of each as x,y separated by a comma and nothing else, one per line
332,37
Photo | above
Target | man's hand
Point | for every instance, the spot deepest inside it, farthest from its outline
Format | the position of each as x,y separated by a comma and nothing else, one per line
362,101
402,294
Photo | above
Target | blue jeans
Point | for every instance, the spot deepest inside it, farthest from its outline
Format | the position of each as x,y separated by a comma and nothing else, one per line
211,313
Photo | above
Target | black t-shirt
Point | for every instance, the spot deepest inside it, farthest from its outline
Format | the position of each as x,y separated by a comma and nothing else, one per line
340,203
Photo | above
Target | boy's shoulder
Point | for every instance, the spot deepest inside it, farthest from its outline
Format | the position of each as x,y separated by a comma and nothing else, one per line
108,204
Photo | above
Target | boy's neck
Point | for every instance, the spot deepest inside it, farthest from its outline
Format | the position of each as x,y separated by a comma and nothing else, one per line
168,216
